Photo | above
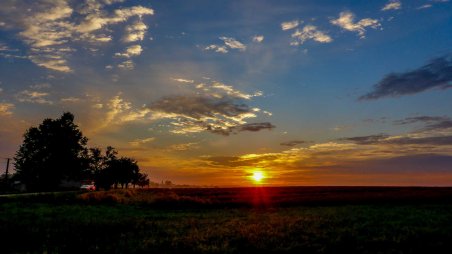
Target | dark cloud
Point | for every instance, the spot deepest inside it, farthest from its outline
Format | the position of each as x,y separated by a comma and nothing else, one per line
384,139
366,140
199,107
436,74
239,128
222,116
431,122
255,126
421,119
293,143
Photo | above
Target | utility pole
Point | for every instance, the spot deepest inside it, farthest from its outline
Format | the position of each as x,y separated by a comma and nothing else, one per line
6,172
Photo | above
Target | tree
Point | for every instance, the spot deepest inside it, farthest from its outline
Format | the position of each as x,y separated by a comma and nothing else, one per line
52,152
109,170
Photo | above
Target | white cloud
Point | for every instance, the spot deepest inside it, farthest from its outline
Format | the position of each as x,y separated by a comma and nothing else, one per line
233,43
50,27
34,97
216,48
310,32
258,38
392,5
181,80
135,32
229,43
5,109
425,6
134,50
346,21
70,100
290,25
126,65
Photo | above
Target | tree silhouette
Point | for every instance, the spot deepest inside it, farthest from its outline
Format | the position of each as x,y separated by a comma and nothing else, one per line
52,152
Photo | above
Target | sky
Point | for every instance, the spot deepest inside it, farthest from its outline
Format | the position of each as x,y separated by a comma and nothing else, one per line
202,92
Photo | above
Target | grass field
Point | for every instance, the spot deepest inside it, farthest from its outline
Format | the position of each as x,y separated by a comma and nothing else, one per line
236,220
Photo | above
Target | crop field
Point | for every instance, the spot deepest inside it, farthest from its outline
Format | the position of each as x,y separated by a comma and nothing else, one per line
230,220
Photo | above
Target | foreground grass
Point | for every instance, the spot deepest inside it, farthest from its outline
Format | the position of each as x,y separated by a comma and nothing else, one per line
68,225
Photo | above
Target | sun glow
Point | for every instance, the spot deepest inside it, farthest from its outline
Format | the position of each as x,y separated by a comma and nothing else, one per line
258,176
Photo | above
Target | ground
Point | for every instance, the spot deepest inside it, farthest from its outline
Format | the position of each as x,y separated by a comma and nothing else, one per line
236,220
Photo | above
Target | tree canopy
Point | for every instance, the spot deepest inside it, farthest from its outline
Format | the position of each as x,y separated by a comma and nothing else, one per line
57,151
52,152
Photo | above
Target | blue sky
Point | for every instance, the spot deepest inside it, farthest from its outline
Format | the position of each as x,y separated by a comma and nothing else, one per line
207,92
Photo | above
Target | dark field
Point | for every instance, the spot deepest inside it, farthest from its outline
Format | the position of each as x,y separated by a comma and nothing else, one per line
235,220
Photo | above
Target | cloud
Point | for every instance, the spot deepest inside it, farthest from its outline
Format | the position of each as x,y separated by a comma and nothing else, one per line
233,43
346,21
293,143
229,43
70,100
219,90
432,123
290,25
135,32
134,50
309,32
214,107
34,97
425,6
435,75
5,109
217,48
138,142
392,5
126,65
366,140
253,127
184,147
258,38
52,29
410,139
181,80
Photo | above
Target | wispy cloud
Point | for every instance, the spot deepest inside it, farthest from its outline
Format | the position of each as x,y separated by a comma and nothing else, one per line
181,80
258,38
310,32
346,21
392,5
229,43
290,24
435,75
34,97
138,142
184,147
50,28
293,143
6,109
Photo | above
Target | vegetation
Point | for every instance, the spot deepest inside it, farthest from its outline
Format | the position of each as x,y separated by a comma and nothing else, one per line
170,221
56,151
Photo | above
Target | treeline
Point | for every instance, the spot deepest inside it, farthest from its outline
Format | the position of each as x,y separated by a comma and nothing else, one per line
56,152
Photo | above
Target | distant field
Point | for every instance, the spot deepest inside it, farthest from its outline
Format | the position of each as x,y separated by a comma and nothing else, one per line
231,220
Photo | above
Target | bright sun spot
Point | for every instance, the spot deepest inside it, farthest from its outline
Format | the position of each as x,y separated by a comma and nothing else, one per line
258,176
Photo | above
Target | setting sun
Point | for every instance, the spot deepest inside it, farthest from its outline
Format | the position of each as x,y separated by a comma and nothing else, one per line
257,176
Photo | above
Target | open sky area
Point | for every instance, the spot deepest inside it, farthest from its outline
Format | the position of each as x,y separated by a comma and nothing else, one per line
315,92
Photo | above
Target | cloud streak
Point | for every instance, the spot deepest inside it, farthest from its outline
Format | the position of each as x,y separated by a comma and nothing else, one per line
435,75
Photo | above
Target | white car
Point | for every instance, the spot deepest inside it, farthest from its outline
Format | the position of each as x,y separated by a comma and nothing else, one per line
88,187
